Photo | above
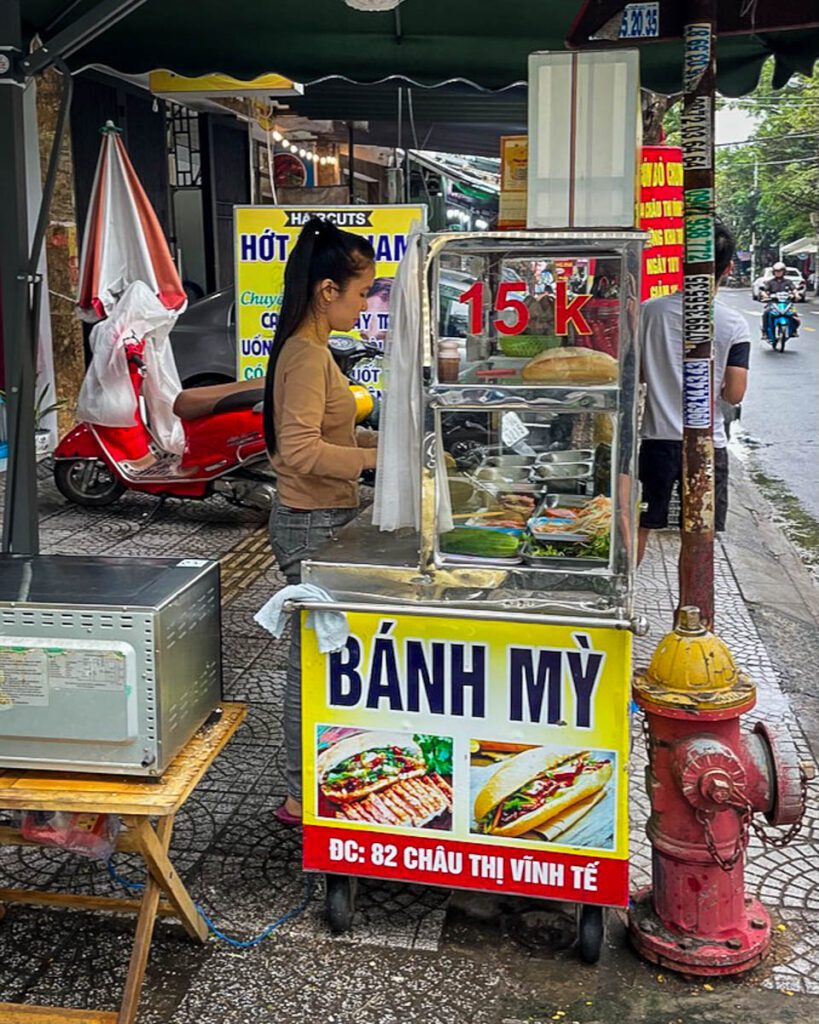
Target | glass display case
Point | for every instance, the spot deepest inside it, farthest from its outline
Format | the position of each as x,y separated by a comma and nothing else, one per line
532,407
528,461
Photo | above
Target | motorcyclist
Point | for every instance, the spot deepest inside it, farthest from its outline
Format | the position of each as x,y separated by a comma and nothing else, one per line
775,285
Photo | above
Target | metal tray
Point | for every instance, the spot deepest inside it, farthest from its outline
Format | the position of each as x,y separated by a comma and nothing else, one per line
559,501
563,471
478,560
509,461
567,455
503,474
565,562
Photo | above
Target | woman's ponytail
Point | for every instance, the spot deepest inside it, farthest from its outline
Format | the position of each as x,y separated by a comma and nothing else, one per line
295,304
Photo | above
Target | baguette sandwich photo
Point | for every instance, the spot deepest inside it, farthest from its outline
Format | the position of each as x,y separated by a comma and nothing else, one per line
382,778
571,365
530,789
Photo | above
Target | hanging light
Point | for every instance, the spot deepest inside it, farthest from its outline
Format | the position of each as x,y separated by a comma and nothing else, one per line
285,144
372,5
277,136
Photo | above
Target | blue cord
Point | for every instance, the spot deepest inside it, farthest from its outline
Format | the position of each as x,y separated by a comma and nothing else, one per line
309,888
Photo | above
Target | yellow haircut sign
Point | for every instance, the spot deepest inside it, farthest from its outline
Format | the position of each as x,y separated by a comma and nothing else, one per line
264,237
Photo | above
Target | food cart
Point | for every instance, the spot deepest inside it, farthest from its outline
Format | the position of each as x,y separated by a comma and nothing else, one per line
473,731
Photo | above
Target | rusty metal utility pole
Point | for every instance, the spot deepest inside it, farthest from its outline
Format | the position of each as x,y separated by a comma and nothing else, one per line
699,83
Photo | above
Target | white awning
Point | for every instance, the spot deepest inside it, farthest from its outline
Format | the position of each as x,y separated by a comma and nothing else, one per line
801,247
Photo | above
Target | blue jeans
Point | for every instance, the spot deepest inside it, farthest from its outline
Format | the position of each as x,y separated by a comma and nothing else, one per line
296,537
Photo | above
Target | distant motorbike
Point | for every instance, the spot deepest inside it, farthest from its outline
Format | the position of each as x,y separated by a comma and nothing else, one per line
781,325
224,452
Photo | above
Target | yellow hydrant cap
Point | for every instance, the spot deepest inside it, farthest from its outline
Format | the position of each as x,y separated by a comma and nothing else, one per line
692,667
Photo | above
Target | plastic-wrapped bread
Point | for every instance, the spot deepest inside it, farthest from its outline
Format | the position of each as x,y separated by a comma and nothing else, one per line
571,366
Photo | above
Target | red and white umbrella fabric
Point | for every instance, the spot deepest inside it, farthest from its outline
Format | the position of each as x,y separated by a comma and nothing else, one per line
123,241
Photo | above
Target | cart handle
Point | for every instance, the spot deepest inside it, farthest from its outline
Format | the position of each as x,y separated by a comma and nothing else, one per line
637,624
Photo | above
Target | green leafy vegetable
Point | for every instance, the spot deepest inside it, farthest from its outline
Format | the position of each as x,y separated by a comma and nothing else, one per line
597,547
437,752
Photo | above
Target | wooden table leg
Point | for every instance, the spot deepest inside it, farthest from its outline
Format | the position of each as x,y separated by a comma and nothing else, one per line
147,911
155,854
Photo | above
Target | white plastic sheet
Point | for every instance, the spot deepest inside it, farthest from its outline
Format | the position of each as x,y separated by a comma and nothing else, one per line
107,397
397,500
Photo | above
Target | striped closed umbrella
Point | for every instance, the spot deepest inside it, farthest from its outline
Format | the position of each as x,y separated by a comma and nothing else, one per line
123,241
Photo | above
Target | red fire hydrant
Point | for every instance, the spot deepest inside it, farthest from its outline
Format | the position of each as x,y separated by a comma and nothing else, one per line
707,778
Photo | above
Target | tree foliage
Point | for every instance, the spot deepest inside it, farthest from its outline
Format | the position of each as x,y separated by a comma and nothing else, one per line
784,145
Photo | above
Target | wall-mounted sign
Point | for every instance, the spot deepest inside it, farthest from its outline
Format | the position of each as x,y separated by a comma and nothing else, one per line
264,237
661,214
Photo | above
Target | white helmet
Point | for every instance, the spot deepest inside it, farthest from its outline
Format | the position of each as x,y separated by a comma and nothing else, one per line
779,265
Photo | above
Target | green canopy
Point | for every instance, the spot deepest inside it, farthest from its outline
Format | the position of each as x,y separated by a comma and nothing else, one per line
426,41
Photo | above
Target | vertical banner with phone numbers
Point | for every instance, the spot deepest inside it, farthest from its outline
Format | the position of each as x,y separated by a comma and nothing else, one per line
263,239
470,754
661,214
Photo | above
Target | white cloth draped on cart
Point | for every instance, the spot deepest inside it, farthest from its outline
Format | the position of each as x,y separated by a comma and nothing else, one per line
332,628
397,502
107,396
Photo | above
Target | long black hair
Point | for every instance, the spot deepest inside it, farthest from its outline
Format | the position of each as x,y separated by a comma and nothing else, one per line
321,252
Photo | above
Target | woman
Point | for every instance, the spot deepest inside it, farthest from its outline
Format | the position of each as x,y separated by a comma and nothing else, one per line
309,423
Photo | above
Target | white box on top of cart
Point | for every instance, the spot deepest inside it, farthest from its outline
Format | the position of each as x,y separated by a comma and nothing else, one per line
584,139
106,664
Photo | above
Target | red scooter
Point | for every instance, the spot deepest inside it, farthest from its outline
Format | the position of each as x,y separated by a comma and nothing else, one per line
224,449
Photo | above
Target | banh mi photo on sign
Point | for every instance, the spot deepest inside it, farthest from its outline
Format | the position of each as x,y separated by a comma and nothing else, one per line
543,793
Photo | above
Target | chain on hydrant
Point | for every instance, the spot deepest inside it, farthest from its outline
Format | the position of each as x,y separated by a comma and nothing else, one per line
707,780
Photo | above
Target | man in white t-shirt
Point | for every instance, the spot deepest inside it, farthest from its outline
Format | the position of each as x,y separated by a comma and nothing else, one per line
661,359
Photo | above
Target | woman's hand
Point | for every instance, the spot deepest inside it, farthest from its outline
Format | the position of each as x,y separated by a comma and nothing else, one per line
365,438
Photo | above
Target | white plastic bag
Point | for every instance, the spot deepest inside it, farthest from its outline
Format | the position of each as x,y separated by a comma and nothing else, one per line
107,396
160,388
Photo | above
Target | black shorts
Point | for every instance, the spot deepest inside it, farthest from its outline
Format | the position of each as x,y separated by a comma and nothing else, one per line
661,468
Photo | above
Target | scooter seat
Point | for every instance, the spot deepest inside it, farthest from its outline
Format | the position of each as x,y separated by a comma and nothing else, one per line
194,403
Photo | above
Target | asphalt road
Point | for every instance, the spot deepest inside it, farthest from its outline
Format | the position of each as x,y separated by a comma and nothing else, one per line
780,413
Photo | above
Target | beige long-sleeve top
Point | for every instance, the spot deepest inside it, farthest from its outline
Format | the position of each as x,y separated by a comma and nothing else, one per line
319,455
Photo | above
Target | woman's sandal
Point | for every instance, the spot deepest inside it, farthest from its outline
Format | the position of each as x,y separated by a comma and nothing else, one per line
284,817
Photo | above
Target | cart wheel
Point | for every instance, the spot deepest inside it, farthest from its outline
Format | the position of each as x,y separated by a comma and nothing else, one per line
590,934
340,902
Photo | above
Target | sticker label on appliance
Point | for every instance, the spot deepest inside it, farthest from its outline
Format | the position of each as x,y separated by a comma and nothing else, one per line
86,670
23,678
